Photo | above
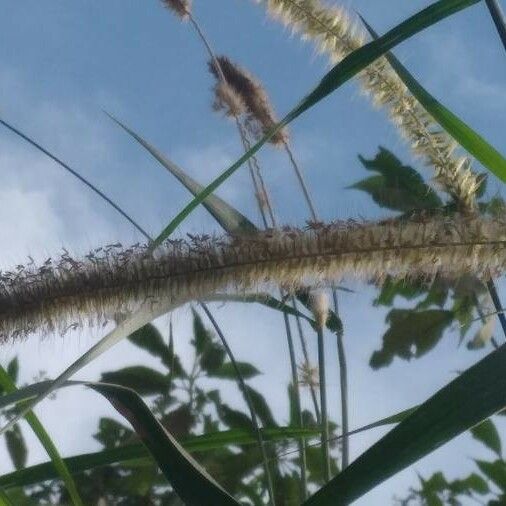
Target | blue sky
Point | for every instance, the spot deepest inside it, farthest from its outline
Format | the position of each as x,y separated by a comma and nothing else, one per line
61,64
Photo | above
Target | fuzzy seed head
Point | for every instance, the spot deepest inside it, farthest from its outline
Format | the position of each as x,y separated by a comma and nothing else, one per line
308,375
181,8
66,293
227,100
261,116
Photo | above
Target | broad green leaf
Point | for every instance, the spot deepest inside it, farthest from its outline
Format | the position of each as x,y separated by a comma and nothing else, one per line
16,446
150,339
229,218
411,334
261,408
57,462
472,397
192,483
340,74
227,371
471,141
486,432
398,187
473,483
494,471
144,380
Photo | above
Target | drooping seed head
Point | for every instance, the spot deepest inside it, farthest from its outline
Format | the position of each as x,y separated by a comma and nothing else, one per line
181,8
227,100
253,95
320,307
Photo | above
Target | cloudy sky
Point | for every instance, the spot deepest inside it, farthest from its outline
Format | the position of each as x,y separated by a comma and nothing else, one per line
61,64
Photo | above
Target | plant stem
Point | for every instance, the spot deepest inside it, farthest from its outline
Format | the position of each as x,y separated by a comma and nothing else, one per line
78,176
343,374
499,18
242,386
497,304
323,404
306,359
298,408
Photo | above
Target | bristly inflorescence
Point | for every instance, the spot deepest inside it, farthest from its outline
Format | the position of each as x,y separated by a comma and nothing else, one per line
261,116
181,8
68,292
337,36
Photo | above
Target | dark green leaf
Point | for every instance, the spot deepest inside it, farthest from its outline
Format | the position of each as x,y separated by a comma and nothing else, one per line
13,369
398,187
474,483
16,447
462,133
191,482
227,371
472,397
495,471
112,434
261,407
487,434
340,74
143,380
149,338
411,334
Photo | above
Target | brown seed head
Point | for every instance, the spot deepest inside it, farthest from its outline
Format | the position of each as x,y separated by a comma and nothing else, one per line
253,95
181,8
227,100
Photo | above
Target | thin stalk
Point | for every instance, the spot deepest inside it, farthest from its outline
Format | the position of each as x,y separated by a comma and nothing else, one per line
343,371
343,380
78,176
323,404
302,182
498,17
306,359
296,393
242,386
497,304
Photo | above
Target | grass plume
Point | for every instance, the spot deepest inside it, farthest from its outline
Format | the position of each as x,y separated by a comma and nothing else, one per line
181,8
69,292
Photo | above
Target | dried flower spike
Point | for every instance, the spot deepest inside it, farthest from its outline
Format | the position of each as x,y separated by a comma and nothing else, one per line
181,8
227,100
252,94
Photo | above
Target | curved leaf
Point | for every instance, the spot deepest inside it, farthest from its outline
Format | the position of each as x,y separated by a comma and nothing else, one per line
191,482
475,395
471,141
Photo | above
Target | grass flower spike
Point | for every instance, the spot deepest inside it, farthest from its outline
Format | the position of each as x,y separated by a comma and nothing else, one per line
334,34
69,292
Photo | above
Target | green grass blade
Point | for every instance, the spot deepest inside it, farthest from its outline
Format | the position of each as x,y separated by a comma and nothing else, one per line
474,396
9,386
138,453
76,174
191,482
4,499
229,218
138,319
471,141
340,74
263,299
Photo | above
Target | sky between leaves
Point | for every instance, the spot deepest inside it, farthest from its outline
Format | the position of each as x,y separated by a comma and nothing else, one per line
61,63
